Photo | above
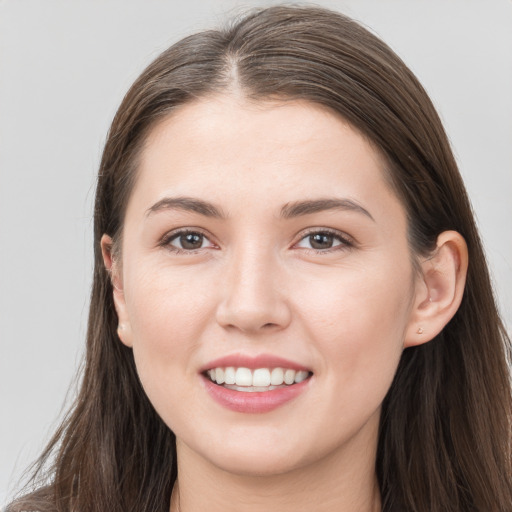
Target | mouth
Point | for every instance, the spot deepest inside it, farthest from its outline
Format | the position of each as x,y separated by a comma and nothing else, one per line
255,383
256,380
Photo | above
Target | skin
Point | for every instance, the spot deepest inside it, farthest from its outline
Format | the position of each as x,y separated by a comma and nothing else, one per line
256,286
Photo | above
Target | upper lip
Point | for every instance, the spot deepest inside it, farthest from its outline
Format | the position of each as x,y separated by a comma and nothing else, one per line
253,362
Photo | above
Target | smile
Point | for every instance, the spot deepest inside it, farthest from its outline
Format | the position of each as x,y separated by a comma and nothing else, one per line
261,385
257,380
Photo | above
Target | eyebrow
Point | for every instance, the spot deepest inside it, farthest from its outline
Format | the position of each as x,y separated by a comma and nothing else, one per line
298,208
288,211
188,204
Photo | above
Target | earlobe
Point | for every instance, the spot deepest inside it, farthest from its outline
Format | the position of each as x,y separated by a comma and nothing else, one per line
439,289
113,268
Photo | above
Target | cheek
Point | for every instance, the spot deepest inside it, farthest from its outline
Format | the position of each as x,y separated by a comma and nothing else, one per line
167,315
358,300
358,320
164,306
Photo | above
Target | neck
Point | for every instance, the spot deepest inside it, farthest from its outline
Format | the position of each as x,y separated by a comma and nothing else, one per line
338,481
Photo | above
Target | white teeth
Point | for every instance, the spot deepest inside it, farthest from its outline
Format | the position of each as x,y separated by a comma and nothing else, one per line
289,377
219,376
251,389
229,375
243,377
259,379
300,376
277,377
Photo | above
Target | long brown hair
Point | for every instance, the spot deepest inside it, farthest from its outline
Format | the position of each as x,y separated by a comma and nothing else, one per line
445,429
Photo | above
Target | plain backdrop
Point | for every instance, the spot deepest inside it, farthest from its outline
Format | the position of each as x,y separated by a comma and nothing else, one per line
64,67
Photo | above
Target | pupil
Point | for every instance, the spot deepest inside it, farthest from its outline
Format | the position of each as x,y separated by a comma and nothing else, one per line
321,241
191,241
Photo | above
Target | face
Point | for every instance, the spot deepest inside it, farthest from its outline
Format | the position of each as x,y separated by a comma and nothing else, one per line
262,243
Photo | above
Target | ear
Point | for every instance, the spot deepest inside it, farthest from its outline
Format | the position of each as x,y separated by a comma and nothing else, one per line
113,268
439,288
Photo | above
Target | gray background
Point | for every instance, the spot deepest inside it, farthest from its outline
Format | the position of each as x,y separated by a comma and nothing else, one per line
64,66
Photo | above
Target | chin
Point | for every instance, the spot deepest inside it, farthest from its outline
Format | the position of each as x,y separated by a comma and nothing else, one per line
233,453
256,463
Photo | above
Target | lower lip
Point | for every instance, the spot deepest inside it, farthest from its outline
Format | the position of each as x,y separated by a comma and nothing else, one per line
254,402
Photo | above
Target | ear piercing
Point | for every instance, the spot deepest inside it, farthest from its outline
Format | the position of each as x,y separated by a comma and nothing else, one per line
420,330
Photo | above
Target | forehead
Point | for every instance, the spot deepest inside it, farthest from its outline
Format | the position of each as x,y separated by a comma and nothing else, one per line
223,148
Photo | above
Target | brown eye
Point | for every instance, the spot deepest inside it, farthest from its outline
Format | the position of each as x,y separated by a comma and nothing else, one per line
188,241
321,240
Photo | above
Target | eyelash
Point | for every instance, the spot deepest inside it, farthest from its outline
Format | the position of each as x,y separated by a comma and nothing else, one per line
167,239
345,242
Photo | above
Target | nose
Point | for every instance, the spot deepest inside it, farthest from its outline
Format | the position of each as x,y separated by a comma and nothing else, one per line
253,294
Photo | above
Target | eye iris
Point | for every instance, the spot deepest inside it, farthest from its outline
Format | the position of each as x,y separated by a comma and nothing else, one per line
191,241
321,240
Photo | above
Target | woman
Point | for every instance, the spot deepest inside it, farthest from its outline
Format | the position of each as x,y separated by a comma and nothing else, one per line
283,314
